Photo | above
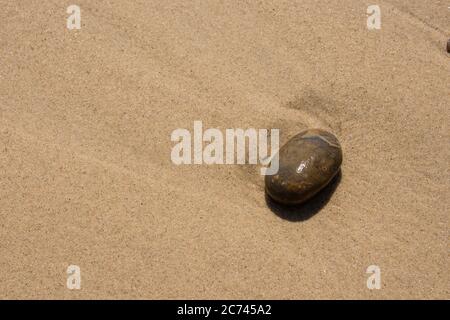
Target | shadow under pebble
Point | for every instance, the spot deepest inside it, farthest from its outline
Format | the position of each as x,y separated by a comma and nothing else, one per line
308,209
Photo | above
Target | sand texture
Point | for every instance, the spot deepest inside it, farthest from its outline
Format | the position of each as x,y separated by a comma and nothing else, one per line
86,176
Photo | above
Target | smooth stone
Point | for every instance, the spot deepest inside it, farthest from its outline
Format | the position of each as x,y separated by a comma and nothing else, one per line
307,163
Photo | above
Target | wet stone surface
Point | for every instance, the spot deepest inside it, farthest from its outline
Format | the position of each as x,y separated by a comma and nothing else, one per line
307,163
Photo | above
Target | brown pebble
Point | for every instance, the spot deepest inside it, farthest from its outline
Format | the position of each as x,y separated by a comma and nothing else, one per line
307,163
448,46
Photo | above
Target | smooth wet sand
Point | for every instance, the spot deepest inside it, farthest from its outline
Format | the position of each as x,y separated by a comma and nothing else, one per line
85,170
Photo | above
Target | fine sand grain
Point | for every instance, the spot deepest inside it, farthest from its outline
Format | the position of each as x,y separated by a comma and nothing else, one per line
86,176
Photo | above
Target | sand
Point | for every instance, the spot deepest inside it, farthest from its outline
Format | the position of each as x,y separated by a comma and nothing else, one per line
86,176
